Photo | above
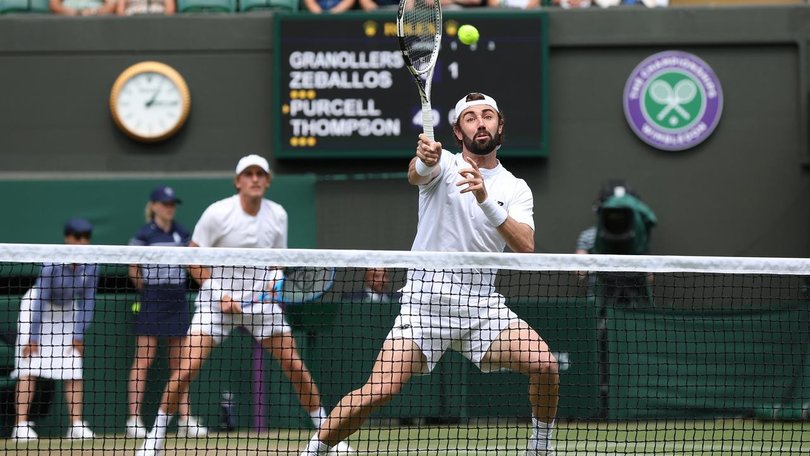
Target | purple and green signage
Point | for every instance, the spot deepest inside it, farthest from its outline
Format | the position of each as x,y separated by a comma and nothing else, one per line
673,100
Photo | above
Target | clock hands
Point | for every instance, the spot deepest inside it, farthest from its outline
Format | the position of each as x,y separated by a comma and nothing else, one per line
151,101
165,103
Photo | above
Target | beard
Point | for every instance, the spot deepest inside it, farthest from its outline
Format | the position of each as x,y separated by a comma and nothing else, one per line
477,147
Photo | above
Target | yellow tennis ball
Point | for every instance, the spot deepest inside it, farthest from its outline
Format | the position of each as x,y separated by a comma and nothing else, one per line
468,34
136,307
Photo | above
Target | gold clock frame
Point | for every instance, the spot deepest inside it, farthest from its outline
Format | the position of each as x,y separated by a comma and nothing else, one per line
151,67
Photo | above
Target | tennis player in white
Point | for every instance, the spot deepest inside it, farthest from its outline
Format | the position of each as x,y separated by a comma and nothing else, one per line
468,202
229,297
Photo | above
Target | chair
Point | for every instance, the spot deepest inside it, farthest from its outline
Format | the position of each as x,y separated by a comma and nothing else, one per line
206,6
24,6
290,6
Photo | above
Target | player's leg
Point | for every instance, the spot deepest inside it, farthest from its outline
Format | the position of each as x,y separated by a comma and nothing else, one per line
284,349
187,425
397,361
519,348
24,362
267,324
145,349
74,396
24,396
194,351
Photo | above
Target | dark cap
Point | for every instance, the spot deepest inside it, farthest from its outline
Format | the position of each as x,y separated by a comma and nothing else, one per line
78,225
164,194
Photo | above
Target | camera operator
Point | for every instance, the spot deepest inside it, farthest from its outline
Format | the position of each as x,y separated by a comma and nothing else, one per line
623,225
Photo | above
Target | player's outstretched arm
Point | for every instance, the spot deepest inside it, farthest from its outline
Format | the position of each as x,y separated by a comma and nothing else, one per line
425,166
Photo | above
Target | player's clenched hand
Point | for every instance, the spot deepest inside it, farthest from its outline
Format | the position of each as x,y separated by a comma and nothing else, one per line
30,349
229,306
78,347
428,150
474,181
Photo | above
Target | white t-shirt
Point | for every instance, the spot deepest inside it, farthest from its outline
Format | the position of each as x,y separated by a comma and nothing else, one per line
450,221
226,224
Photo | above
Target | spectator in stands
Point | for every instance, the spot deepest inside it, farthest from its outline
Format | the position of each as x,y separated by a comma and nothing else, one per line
460,4
133,7
376,288
230,297
371,5
83,7
572,4
518,4
328,6
54,316
162,311
468,202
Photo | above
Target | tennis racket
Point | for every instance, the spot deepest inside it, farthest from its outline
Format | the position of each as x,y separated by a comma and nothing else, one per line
303,284
419,29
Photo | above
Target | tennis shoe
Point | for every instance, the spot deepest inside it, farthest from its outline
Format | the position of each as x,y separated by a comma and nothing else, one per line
341,449
24,432
191,428
540,453
150,447
135,428
80,431
149,452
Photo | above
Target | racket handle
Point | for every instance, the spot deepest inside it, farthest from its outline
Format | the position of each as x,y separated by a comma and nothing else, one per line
427,120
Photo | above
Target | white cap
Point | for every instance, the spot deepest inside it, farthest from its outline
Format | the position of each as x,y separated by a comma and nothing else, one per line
463,104
252,160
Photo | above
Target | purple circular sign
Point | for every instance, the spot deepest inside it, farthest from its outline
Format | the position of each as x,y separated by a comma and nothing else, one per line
673,100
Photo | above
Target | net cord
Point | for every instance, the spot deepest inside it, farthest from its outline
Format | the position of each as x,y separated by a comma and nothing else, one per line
120,254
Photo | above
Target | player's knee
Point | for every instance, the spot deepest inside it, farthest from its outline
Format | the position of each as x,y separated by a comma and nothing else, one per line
186,372
546,365
379,394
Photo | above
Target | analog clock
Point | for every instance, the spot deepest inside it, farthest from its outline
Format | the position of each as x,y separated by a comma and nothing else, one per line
150,101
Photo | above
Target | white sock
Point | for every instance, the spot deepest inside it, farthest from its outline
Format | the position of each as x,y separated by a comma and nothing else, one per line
156,437
318,417
542,435
315,447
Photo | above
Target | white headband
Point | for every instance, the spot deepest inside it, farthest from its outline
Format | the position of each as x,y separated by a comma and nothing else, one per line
463,104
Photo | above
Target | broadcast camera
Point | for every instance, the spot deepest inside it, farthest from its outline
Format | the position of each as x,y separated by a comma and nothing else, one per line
623,221
623,225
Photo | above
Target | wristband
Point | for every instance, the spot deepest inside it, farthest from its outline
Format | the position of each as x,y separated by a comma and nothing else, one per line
422,169
495,213
215,288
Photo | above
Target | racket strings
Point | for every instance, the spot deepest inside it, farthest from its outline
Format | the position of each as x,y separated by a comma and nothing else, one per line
421,23
304,284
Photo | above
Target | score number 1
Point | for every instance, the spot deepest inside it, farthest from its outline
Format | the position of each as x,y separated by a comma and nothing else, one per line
453,68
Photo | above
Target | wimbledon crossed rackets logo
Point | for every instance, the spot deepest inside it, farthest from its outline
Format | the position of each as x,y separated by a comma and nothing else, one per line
670,100
673,100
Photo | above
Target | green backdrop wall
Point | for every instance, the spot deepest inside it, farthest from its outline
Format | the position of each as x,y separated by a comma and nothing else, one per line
116,206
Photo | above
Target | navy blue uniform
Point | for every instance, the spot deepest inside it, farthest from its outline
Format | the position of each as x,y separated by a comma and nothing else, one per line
164,308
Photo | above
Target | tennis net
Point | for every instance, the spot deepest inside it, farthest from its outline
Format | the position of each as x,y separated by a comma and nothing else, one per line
655,354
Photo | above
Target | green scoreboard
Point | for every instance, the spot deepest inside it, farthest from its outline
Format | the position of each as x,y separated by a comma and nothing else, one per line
342,89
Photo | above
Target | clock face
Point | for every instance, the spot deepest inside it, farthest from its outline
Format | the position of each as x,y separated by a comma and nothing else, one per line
150,101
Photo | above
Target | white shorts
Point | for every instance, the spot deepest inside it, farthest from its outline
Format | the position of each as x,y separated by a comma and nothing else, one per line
56,358
446,323
261,319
